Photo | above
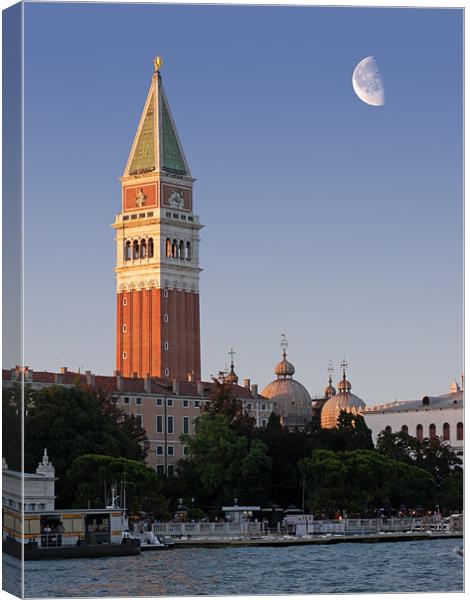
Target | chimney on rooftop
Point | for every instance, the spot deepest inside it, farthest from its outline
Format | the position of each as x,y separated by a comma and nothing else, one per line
200,388
63,370
147,383
90,378
247,383
119,381
176,387
254,390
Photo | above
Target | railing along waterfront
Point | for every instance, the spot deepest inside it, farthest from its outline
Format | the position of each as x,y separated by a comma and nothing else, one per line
207,529
303,525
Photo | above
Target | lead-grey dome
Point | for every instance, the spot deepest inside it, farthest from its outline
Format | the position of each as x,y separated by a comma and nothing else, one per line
293,402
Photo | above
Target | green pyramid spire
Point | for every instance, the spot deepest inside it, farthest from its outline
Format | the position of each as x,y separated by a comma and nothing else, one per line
144,153
156,145
172,158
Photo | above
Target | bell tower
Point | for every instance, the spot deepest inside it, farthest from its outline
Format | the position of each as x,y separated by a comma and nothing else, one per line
157,243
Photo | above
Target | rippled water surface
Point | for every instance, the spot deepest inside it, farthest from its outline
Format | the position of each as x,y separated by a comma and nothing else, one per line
426,566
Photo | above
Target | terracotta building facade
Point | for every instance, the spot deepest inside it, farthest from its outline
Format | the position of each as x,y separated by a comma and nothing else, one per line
157,252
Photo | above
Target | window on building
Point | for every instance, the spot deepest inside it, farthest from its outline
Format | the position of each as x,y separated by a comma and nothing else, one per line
124,355
127,251
174,249
432,431
169,401
126,400
170,424
188,250
143,249
185,403
388,429
185,451
124,328
446,432
181,250
168,248
185,424
404,428
159,401
419,432
165,293
135,249
196,403
166,345
170,450
139,419
150,248
264,423
167,372
263,407
171,470
159,450
165,318
160,470
124,301
138,400
159,424
460,430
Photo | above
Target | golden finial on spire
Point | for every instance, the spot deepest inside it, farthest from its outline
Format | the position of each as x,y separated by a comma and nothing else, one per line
158,63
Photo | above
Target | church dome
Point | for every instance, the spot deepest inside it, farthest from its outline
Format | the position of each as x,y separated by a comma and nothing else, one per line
292,400
343,400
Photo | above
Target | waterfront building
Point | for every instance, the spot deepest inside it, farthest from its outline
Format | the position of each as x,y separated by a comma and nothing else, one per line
293,404
157,252
342,400
165,409
431,417
30,516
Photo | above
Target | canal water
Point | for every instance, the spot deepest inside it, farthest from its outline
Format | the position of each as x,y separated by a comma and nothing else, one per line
424,566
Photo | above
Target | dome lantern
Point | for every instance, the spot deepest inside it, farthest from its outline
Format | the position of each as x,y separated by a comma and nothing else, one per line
232,377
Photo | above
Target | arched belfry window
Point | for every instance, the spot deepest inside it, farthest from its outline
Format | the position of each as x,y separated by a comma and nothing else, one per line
135,251
127,251
188,250
174,249
460,430
419,432
150,248
446,432
432,431
143,249
168,248
181,250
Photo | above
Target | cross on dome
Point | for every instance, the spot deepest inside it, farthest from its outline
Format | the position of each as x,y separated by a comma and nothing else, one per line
284,344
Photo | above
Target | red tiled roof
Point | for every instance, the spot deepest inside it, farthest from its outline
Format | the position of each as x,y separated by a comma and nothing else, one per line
109,384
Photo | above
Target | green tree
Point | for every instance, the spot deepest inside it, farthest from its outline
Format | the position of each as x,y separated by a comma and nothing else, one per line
134,482
450,495
360,480
433,455
71,422
224,402
226,462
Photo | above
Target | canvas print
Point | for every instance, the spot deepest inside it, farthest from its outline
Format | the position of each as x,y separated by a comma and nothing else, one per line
232,300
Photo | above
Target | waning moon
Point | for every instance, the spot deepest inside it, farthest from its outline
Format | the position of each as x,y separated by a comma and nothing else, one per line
368,83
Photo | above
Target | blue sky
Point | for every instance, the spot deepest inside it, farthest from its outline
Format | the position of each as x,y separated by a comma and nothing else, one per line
337,223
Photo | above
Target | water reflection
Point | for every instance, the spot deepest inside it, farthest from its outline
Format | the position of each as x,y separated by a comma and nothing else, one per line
428,566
